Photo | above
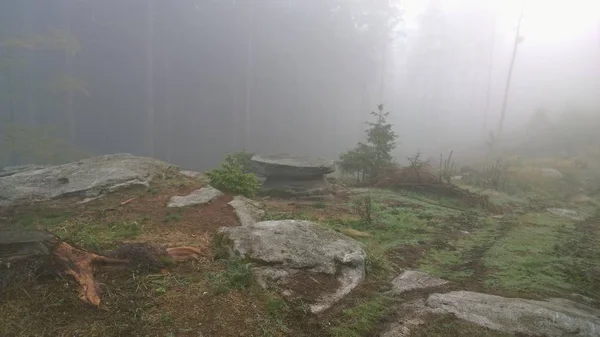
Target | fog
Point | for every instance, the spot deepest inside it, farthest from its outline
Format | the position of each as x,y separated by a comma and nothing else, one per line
189,81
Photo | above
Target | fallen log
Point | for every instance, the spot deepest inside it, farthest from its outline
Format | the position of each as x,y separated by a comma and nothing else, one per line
24,255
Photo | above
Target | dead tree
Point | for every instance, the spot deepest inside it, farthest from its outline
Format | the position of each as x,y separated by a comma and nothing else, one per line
26,254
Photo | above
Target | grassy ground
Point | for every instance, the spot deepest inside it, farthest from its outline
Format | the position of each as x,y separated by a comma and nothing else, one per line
522,251
525,251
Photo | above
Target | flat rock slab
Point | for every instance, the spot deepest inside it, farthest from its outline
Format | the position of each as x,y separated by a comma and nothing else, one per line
87,178
288,166
197,197
414,280
566,213
193,174
551,318
291,254
248,211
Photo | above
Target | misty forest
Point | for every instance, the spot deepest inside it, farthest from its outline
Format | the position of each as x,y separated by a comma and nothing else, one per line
343,168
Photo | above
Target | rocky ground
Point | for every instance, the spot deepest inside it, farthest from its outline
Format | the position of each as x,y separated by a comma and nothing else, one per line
421,266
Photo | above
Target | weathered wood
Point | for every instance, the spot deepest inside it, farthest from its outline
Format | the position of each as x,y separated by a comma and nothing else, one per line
23,254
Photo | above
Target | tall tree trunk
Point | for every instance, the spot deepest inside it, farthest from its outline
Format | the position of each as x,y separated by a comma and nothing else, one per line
510,71
488,89
69,94
249,76
30,97
150,78
168,106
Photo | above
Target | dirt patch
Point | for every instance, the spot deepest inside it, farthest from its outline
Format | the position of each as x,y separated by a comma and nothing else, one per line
175,299
407,257
319,211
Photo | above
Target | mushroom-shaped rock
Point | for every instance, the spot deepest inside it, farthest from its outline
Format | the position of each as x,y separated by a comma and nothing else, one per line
302,259
289,166
293,176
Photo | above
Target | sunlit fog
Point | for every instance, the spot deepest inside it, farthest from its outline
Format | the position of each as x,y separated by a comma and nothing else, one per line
190,81
301,168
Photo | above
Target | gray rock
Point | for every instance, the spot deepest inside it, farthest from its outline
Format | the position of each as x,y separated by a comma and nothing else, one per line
288,166
414,280
247,210
551,173
287,249
552,318
87,178
567,213
192,174
10,170
290,188
197,197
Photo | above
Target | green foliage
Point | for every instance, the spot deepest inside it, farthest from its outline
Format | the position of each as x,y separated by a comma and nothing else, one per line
367,159
231,177
361,319
244,158
382,138
238,275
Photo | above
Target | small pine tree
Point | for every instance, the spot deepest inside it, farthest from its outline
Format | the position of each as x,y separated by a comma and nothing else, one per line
367,159
382,138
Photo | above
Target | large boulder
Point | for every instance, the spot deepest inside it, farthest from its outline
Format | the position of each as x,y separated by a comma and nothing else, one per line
87,178
551,318
288,166
293,176
302,259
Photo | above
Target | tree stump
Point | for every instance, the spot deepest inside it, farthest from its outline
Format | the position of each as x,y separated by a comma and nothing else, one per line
24,255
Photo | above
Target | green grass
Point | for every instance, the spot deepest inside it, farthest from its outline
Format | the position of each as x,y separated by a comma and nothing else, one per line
98,236
237,275
449,325
174,216
320,205
525,259
361,319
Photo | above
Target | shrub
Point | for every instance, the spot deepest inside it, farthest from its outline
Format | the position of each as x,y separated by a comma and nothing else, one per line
244,158
230,177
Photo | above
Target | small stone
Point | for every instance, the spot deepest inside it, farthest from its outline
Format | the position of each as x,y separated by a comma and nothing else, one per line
197,197
414,280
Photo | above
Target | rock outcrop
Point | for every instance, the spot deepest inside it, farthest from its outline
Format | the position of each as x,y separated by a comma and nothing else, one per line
87,178
414,280
552,318
293,176
197,197
302,259
248,211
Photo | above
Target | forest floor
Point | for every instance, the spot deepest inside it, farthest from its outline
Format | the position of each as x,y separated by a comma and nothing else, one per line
522,251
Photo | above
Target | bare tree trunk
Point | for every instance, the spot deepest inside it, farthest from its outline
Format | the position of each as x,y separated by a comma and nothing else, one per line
510,71
150,78
30,97
488,90
249,75
168,106
69,99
